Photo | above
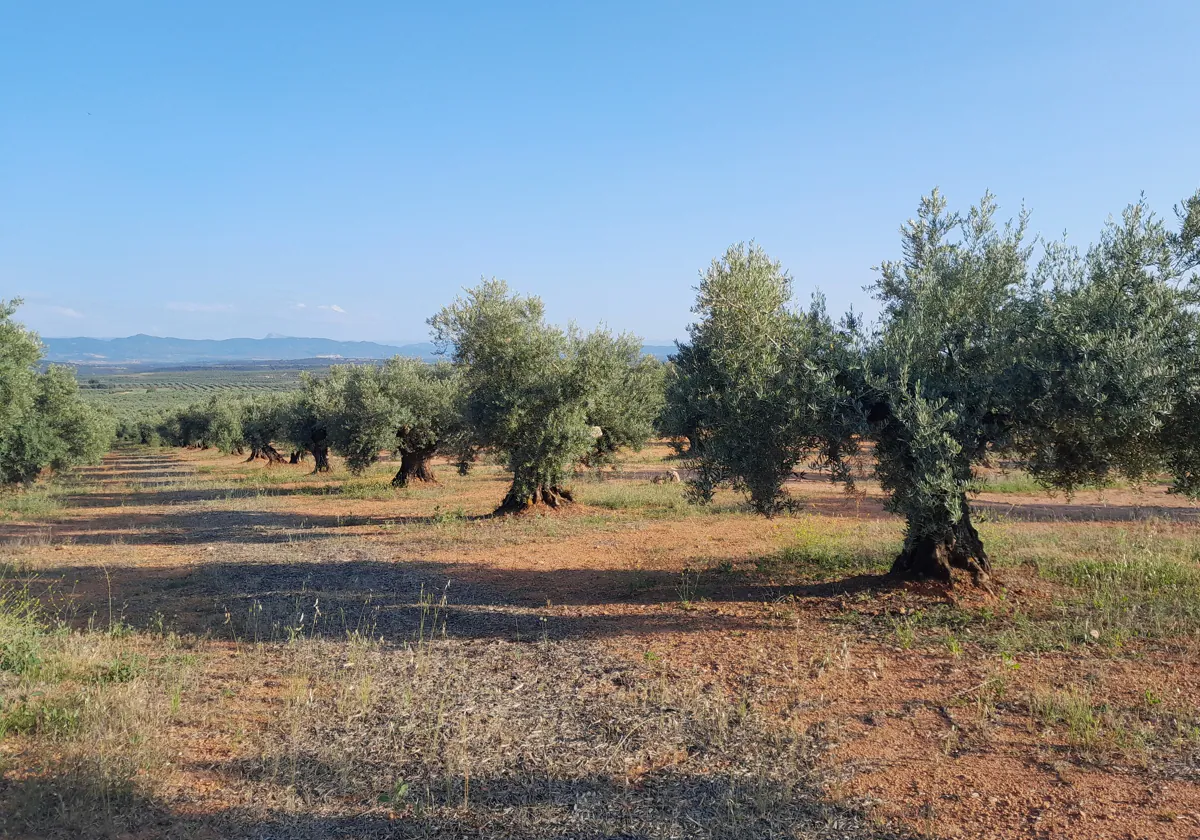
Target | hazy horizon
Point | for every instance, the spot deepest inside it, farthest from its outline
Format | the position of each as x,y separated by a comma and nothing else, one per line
390,342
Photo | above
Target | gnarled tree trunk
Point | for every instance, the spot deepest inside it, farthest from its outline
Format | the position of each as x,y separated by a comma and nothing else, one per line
936,557
466,460
297,456
268,453
320,453
415,465
550,495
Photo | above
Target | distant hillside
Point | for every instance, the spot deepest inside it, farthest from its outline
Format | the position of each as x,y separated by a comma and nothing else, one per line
149,349
152,350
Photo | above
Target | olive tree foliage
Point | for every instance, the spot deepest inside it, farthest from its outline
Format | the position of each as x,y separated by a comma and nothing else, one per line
1181,433
679,420
406,406
759,387
43,421
264,423
531,390
626,394
310,415
1116,343
215,423
1074,367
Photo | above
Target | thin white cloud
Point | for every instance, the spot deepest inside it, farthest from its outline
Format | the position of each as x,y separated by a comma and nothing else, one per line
333,307
299,306
66,311
188,306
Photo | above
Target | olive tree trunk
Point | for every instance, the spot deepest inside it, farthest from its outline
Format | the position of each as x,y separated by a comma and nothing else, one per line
951,545
550,495
415,465
533,486
268,453
320,453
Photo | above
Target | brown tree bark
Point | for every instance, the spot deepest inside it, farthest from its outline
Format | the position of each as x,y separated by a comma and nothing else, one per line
268,453
320,453
551,496
415,465
936,559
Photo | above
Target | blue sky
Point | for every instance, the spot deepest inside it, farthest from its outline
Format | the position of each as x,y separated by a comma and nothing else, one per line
343,170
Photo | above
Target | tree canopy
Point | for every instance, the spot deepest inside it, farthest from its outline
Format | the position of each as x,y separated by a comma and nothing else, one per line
406,406
756,389
43,421
1079,368
531,391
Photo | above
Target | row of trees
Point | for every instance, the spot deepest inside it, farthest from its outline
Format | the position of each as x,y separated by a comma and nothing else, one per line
43,422
539,398
1078,366
405,406
991,345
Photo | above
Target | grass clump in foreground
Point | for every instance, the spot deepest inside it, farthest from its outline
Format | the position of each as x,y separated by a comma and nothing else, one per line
89,716
650,500
1114,585
1150,734
35,502
21,630
822,548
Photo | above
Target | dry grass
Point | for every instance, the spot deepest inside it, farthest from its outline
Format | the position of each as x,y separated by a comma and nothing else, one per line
195,646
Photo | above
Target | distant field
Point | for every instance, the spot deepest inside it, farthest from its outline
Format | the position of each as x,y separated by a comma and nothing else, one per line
134,393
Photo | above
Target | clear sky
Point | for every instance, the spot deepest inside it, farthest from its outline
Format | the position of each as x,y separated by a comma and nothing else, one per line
213,169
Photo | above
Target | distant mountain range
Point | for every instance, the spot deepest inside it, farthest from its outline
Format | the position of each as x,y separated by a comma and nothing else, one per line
153,350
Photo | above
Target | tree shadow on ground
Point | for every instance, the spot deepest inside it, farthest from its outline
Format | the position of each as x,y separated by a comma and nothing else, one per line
181,496
530,805
268,600
205,526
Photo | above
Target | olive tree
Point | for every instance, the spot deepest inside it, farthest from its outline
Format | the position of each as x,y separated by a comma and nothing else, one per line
528,387
1180,433
679,420
948,374
43,421
756,389
214,423
407,406
1071,368
310,415
222,419
264,422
